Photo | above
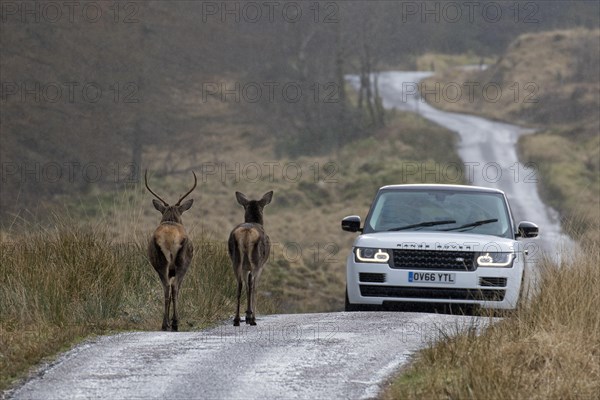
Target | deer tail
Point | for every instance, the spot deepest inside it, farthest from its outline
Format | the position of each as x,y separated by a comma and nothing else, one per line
242,241
171,268
246,240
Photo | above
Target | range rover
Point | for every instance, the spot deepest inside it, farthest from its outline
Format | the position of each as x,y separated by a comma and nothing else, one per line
447,244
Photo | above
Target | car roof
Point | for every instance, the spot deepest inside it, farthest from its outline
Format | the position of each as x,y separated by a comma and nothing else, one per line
441,187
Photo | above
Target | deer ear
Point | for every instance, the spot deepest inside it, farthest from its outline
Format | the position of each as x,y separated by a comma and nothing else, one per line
159,206
241,198
266,199
186,205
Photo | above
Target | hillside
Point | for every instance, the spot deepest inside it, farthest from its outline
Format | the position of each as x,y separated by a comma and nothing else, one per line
548,81
83,97
87,107
312,194
96,239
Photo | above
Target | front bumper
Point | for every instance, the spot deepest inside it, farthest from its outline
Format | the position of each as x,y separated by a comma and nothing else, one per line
373,283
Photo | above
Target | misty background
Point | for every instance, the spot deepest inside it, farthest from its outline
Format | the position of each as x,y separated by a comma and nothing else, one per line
91,94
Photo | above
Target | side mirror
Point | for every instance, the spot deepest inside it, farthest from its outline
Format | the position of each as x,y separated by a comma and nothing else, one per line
527,229
351,223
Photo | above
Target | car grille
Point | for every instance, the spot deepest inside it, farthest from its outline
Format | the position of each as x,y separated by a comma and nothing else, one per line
432,293
434,259
497,282
371,277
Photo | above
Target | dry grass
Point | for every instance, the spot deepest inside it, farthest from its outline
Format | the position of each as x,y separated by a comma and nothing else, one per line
569,179
548,349
306,271
75,279
550,81
443,62
69,282
561,65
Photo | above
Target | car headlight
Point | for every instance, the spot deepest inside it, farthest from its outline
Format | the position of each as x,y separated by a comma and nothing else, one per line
370,255
495,259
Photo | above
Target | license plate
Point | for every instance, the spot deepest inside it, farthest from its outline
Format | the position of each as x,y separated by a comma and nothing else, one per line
431,277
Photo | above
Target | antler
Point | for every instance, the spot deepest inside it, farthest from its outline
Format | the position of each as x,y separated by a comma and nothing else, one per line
150,190
190,191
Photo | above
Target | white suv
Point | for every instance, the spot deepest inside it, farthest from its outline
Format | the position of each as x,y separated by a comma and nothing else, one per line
436,244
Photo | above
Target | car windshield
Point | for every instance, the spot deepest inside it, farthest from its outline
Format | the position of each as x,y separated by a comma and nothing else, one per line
409,210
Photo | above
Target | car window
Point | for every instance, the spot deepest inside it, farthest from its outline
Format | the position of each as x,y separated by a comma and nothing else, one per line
395,209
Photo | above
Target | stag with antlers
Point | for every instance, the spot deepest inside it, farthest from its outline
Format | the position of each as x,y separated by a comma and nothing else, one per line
249,248
170,250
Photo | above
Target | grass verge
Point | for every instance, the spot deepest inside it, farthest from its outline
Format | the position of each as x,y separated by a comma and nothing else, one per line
70,282
548,349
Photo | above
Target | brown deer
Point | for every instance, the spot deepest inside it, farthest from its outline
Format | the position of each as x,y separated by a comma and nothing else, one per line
170,250
249,248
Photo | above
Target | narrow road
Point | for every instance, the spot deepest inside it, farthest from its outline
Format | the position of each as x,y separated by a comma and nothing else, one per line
304,356
488,150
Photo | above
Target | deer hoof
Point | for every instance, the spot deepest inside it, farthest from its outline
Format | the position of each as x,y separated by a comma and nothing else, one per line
236,322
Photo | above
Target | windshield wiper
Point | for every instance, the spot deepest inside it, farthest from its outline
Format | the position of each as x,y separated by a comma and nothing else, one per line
472,224
429,223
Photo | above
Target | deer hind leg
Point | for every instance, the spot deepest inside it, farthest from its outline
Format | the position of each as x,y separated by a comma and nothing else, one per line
250,319
167,291
176,280
255,279
247,277
174,294
236,320
256,266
